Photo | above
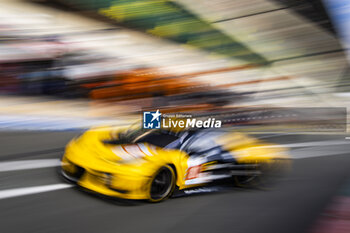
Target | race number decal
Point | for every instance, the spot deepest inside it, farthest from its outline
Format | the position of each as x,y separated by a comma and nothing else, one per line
193,172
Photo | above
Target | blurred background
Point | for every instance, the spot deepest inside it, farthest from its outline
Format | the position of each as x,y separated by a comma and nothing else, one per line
277,69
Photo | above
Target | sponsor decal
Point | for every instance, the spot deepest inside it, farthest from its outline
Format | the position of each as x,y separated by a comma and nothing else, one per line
201,190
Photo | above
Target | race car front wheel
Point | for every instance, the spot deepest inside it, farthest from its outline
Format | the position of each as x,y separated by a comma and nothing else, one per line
162,184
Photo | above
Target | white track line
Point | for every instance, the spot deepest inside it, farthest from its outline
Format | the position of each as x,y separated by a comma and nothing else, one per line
311,154
28,164
31,190
310,144
45,163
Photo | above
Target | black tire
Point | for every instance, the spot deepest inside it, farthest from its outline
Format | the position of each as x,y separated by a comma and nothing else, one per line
270,173
246,181
162,185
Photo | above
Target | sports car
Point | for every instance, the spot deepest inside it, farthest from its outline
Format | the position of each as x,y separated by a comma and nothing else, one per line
136,163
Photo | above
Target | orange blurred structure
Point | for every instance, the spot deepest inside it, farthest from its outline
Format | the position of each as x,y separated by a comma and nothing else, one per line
148,82
138,83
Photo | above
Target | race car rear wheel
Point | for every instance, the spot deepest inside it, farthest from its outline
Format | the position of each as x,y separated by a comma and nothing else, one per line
162,184
246,181
269,174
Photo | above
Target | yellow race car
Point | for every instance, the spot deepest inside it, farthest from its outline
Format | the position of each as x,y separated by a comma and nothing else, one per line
135,163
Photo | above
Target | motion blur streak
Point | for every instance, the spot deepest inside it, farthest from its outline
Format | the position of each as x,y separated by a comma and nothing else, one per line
272,70
305,144
32,190
28,164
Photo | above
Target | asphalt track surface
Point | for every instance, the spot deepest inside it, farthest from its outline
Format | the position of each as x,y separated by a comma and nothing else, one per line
294,203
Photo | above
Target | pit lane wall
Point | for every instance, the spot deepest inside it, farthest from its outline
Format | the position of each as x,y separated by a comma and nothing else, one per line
49,114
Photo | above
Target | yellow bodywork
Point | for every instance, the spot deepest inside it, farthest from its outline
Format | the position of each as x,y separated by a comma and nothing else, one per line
107,171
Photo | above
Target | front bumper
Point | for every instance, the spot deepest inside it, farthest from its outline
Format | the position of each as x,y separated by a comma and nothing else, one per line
112,185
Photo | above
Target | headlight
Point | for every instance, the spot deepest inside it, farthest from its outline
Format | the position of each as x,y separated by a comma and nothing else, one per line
108,178
103,177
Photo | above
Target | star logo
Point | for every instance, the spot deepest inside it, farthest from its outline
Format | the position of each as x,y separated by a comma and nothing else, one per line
151,120
156,115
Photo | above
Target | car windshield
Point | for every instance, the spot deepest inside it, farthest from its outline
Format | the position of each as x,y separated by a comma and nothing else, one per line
157,138
126,136
136,134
